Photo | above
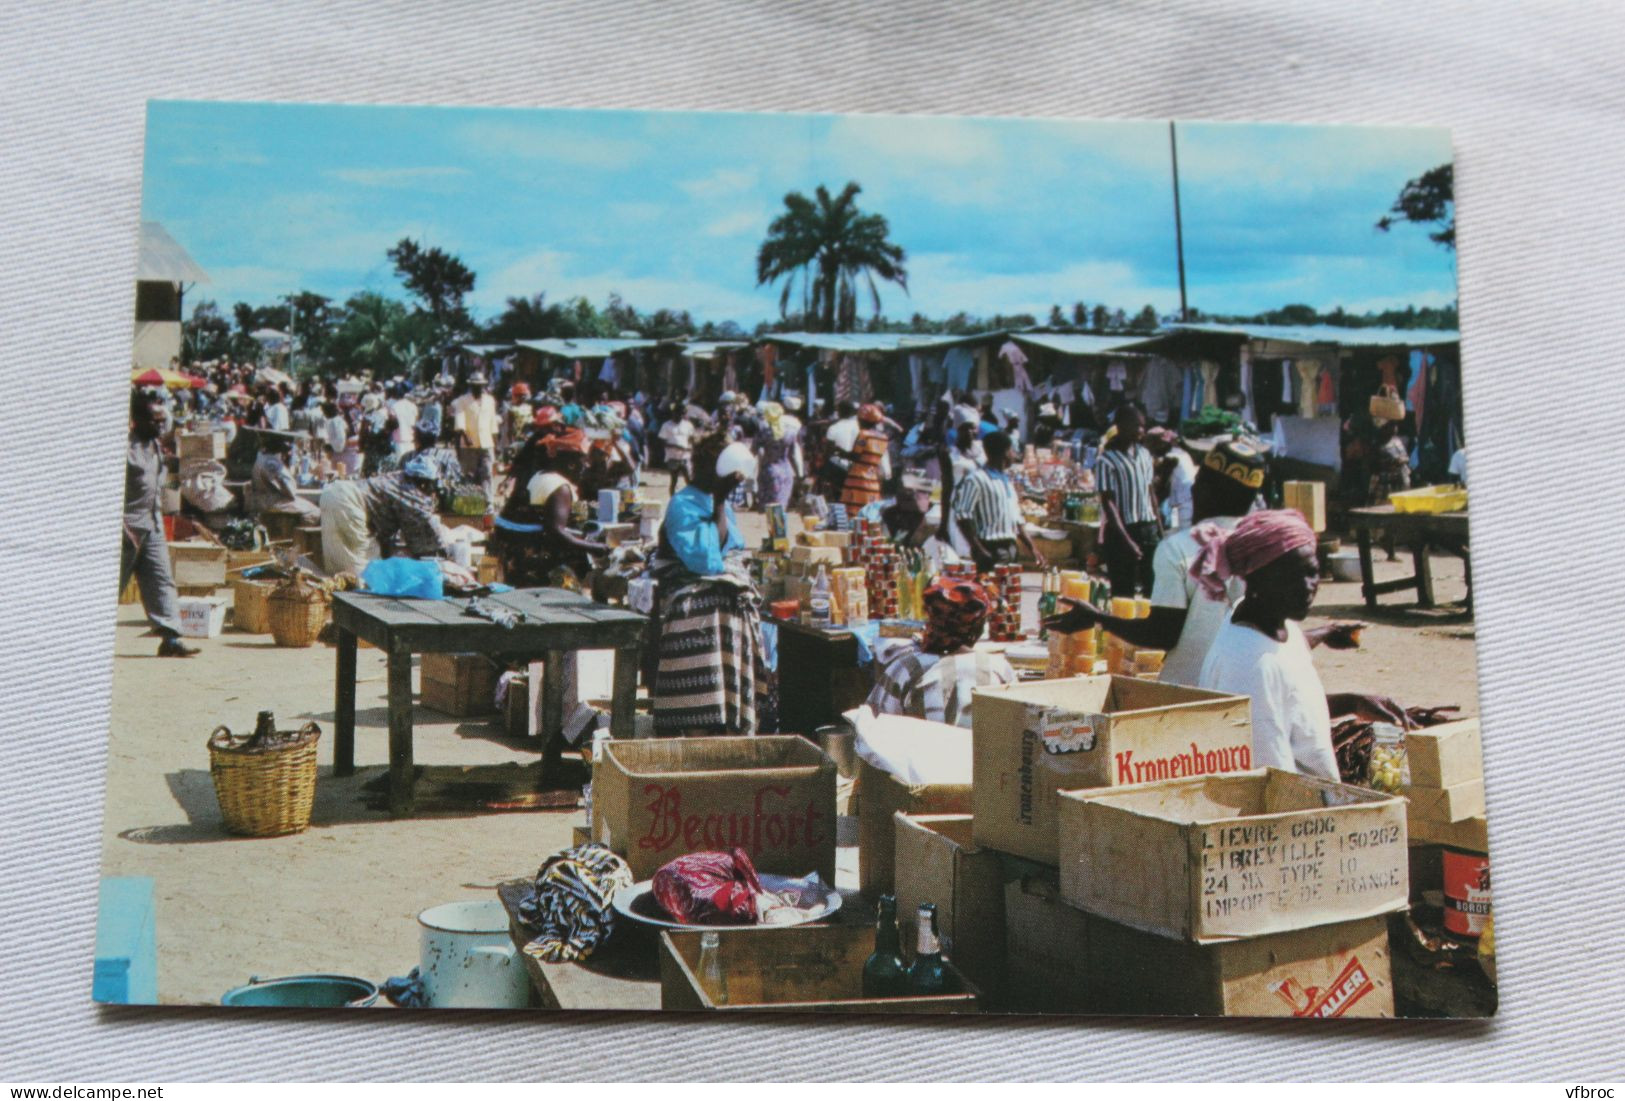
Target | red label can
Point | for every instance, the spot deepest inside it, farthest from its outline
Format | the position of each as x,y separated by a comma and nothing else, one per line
1466,892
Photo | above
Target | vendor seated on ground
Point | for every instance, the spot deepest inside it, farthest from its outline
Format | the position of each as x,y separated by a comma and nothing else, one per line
1261,652
987,510
711,677
272,486
934,677
378,517
1184,617
531,537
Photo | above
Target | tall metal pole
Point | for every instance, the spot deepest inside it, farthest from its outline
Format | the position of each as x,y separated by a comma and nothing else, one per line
1179,228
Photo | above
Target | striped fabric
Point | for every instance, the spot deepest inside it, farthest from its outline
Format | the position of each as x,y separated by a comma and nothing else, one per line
987,502
1128,475
926,686
711,668
396,509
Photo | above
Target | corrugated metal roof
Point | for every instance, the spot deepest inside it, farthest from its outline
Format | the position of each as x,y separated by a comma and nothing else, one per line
707,349
875,342
162,260
1333,334
485,349
589,347
1082,344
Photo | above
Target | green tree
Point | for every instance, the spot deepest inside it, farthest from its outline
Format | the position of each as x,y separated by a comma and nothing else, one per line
311,323
364,342
828,247
1080,315
1146,318
1100,317
1430,199
438,280
1057,320
207,335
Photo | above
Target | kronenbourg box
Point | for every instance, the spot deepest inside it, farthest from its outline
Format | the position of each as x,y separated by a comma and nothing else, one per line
1033,740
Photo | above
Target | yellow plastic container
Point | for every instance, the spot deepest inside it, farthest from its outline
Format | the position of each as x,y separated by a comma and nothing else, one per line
1430,499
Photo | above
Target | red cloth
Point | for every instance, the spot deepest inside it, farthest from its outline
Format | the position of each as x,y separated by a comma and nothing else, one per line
1258,540
567,441
709,888
956,610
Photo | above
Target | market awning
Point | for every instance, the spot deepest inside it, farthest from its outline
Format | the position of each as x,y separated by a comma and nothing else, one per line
1341,335
707,349
162,260
1084,344
163,376
587,347
876,342
485,349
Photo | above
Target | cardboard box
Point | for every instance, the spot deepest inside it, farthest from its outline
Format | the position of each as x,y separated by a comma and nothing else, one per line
814,556
193,446
1308,499
1446,755
938,862
881,795
201,616
840,540
1472,835
1046,943
800,968
1339,970
1234,856
198,563
517,710
1447,805
1035,739
459,684
773,796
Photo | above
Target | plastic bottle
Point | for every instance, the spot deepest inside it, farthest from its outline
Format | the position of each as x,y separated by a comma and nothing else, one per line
818,602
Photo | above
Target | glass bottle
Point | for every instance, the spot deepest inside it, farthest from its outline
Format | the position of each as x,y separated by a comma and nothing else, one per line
928,974
712,977
884,973
264,729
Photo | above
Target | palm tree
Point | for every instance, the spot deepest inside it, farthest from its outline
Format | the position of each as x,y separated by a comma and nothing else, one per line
366,332
829,246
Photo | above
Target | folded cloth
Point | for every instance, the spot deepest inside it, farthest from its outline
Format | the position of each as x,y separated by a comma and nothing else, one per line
570,905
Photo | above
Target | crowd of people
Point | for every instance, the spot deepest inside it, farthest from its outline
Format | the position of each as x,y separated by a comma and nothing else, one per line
1228,581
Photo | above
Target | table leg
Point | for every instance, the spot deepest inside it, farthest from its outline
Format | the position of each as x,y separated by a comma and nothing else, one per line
624,698
1368,580
1424,575
401,773
552,711
344,705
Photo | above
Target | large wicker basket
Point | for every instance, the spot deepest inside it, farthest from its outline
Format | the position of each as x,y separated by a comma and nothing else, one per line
265,790
250,605
297,610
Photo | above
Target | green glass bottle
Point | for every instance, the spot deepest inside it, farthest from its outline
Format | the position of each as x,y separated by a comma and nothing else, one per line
928,974
885,975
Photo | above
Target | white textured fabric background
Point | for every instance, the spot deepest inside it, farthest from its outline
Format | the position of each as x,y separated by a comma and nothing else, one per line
1535,96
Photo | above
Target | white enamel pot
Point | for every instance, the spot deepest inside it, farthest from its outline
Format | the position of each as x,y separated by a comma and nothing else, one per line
467,960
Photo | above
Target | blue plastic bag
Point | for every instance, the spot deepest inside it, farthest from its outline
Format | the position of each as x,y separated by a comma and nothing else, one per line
404,577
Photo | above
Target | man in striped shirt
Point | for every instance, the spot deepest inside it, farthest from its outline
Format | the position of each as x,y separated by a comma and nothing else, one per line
988,510
1124,474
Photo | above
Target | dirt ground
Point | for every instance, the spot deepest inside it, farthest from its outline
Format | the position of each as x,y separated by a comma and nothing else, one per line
342,897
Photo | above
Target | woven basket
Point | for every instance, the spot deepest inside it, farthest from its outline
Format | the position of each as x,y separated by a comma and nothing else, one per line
297,612
264,791
250,605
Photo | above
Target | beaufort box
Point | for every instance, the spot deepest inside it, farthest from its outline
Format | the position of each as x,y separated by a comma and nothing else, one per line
1082,732
772,796
1234,856
881,795
1338,970
937,862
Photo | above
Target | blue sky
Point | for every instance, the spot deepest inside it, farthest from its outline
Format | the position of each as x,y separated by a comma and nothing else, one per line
667,209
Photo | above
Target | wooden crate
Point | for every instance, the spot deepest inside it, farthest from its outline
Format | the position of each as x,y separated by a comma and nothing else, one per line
1032,740
1446,806
461,685
1233,856
192,446
1338,970
801,968
197,563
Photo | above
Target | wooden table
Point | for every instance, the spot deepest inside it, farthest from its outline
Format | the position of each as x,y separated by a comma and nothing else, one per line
1418,530
555,623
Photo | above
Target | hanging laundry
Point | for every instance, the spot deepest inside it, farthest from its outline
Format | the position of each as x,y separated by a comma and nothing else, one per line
1210,385
958,364
1328,391
1286,382
1247,413
1012,354
1420,362
1161,389
1117,377
1308,392
982,381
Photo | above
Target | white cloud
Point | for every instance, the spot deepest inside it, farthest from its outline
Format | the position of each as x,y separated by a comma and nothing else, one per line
396,177
942,284
739,224
562,275
721,183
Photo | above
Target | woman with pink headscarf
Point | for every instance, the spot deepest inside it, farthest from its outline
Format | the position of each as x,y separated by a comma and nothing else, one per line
1261,651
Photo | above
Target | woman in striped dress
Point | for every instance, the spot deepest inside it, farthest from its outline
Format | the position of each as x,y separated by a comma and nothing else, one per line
871,466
